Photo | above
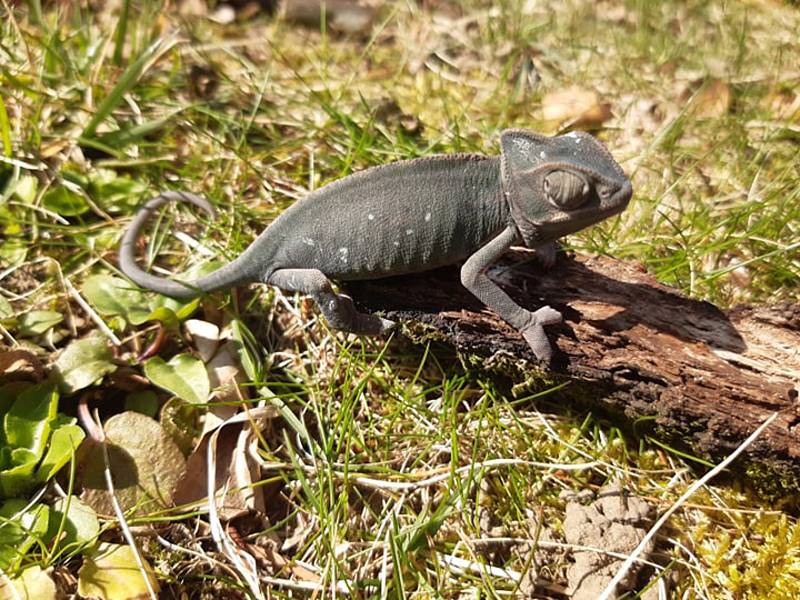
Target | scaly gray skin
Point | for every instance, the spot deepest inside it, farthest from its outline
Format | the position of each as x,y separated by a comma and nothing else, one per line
417,215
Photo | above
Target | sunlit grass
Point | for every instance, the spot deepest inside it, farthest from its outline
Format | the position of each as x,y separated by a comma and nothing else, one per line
255,114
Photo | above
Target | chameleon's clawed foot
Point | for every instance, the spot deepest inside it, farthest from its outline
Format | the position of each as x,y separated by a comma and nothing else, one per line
535,335
349,318
547,316
366,324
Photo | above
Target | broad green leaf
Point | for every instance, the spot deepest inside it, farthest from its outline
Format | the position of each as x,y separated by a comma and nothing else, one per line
112,296
36,322
112,573
183,309
26,428
32,584
27,423
64,202
144,402
23,456
84,362
25,189
8,395
20,529
73,522
165,315
13,250
6,312
17,480
144,462
184,376
64,441
115,193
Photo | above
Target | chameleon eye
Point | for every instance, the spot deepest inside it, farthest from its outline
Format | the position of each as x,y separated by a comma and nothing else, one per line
604,192
566,189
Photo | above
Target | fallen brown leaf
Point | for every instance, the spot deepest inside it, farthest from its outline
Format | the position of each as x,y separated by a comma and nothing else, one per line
18,365
574,107
712,100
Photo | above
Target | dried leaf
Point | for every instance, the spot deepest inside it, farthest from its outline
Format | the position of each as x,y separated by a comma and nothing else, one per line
205,337
574,107
345,16
235,470
224,372
144,461
713,100
20,364
784,104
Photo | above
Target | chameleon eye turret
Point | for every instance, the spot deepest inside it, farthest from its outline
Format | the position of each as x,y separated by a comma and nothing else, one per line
566,189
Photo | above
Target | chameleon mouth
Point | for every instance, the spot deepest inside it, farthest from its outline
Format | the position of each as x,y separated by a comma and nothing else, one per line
583,217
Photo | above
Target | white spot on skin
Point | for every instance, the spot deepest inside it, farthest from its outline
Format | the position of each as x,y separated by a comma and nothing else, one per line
543,154
308,241
522,145
574,135
397,244
409,231
427,217
371,217
343,254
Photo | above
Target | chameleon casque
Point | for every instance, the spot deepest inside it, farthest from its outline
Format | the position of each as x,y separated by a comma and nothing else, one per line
416,215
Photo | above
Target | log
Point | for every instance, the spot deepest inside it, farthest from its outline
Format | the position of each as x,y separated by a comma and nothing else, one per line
702,378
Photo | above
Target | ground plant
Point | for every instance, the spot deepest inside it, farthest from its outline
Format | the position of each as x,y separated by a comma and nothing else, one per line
339,465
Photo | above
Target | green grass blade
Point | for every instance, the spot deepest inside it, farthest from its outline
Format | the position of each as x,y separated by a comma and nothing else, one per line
122,138
125,83
121,33
5,129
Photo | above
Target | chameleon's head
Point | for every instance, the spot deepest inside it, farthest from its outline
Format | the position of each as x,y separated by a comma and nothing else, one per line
559,185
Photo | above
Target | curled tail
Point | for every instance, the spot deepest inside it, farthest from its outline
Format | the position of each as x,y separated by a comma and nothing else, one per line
231,274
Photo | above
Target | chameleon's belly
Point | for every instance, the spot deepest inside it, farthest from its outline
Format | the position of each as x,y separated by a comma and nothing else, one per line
409,222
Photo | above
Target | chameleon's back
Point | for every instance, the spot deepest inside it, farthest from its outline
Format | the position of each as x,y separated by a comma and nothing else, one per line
400,218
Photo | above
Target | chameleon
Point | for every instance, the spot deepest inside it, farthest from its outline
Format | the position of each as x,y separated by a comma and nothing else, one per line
415,215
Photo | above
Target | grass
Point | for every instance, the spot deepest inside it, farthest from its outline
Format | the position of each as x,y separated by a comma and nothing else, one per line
97,113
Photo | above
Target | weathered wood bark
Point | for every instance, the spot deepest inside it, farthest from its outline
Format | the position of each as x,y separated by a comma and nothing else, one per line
633,347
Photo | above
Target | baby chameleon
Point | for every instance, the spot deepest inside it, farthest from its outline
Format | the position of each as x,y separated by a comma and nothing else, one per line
416,215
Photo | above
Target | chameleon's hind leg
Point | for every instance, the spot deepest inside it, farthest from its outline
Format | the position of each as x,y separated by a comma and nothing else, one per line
338,309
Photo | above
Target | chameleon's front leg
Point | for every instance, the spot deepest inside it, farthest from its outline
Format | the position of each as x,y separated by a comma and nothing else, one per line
530,324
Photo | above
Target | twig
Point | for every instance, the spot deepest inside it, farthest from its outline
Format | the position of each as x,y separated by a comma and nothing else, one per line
623,570
96,319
